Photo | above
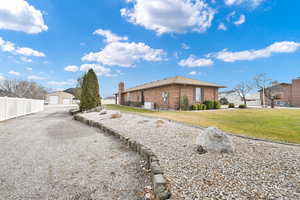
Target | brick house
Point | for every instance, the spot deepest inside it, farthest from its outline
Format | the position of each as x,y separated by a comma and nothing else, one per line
166,93
287,94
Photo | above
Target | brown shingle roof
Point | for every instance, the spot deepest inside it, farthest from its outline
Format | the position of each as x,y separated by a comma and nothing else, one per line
173,80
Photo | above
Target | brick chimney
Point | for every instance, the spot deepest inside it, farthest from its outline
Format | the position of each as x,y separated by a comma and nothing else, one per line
296,92
121,89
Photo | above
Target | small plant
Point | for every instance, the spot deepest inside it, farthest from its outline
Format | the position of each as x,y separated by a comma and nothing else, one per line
243,106
184,103
231,105
203,107
199,107
209,104
195,107
217,105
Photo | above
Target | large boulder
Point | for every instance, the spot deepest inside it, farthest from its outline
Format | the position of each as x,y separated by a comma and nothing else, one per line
214,140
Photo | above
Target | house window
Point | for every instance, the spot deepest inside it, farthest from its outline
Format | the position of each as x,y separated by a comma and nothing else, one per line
198,95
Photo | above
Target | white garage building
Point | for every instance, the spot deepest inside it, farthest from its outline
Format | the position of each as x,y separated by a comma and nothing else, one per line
56,98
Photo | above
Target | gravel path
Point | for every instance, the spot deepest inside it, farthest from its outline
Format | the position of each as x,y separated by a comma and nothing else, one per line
257,170
50,156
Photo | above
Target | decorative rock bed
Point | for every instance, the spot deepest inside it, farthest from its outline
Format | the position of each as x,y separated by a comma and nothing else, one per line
256,169
160,185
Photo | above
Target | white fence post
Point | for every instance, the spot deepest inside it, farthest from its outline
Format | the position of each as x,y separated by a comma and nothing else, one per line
15,107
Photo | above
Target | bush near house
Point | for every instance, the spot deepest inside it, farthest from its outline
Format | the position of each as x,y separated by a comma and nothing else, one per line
217,105
212,105
231,105
209,104
90,97
243,106
194,107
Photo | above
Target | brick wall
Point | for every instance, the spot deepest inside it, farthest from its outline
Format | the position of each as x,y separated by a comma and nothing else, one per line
285,94
174,91
296,92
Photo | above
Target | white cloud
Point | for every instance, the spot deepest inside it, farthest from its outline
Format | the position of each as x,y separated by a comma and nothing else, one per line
109,36
124,54
29,52
28,68
62,83
222,27
169,16
99,70
277,47
18,15
193,73
241,20
252,3
185,46
192,61
71,68
34,77
7,46
14,73
25,59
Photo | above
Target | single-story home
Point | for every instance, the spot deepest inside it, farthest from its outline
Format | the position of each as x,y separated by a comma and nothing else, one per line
167,93
59,97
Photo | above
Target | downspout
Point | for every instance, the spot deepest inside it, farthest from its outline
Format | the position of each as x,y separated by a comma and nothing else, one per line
179,98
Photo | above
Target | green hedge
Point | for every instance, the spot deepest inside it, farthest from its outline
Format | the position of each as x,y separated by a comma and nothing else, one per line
231,105
242,106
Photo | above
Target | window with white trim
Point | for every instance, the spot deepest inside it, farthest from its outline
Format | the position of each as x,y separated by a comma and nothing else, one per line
198,94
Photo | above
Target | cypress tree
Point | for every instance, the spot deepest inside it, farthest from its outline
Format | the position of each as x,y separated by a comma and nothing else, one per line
90,97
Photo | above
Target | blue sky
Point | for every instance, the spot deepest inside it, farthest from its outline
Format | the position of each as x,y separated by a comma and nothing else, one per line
53,42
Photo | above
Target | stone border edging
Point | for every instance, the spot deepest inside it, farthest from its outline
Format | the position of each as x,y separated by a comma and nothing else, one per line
160,185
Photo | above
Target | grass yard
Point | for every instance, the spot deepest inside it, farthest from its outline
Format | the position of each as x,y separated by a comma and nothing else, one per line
274,124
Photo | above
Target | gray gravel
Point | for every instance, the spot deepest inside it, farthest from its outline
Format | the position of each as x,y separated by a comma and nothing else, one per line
257,170
50,156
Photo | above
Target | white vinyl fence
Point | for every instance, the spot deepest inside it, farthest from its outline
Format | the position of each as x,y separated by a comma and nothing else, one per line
16,107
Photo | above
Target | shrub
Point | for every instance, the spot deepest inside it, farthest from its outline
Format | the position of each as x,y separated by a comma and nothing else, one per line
231,105
209,104
199,107
224,101
242,106
195,107
90,97
203,107
184,105
217,105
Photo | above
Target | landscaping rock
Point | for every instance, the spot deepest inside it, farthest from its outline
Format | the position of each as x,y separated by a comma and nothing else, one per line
116,114
214,140
103,112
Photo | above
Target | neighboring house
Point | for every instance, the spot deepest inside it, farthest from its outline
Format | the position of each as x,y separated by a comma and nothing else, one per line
167,93
108,100
59,97
232,97
286,94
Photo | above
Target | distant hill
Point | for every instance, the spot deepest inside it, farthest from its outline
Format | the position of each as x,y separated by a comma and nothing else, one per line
70,91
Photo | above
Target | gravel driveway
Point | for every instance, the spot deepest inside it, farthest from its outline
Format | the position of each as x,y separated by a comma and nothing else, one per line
50,156
257,170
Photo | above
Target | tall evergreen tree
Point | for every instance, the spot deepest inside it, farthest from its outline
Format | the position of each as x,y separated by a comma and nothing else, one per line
90,97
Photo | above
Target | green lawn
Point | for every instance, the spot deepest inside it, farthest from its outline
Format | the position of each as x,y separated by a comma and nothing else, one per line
274,124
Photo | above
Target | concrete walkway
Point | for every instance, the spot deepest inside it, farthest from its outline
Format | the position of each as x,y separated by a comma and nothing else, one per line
50,156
